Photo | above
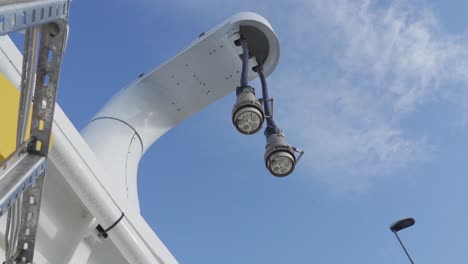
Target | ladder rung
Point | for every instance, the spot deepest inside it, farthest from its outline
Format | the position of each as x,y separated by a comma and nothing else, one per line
18,15
16,176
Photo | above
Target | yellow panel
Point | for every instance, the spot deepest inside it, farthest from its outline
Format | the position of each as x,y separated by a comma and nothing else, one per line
9,104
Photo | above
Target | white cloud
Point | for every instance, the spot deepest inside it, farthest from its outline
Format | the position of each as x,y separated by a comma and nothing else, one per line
350,72
349,133
363,68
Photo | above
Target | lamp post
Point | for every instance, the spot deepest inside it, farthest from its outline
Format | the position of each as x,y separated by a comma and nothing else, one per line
400,225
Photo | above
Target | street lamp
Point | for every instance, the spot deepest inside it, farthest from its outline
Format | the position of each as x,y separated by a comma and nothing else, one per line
400,225
279,155
247,113
280,158
248,116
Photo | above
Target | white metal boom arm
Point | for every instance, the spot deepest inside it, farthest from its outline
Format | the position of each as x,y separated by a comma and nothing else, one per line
199,75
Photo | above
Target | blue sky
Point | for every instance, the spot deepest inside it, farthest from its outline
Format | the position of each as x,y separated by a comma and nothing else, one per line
373,91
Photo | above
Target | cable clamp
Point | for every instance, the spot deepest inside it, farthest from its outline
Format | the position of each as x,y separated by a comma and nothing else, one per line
103,232
270,102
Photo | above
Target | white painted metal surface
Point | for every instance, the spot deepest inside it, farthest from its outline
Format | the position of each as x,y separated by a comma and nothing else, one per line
92,182
74,196
126,152
11,60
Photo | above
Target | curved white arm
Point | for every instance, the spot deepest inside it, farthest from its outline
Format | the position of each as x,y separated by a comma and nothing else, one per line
199,75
